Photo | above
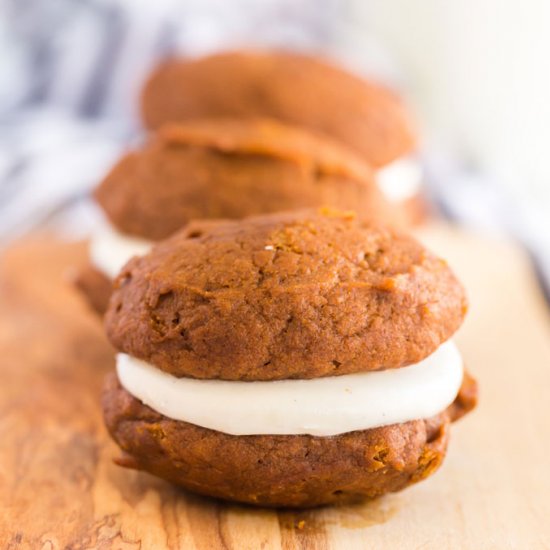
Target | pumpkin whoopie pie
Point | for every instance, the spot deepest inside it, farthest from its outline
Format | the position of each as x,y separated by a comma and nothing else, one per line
301,90
219,169
292,359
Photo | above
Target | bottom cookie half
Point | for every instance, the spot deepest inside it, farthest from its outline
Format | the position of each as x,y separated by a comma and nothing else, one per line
279,470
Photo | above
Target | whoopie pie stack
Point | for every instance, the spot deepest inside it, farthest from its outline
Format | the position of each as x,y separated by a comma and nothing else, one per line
291,359
281,341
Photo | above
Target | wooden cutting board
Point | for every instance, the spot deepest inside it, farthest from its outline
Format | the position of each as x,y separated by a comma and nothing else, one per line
60,489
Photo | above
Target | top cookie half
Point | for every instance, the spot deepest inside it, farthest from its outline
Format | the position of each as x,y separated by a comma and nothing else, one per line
291,87
293,295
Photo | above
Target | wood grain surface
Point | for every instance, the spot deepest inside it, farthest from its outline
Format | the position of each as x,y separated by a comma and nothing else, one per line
60,489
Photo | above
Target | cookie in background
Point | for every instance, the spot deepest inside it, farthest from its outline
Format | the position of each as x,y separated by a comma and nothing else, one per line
224,168
301,90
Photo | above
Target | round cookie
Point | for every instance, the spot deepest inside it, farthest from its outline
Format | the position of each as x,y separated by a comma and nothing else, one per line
283,470
292,295
296,88
232,169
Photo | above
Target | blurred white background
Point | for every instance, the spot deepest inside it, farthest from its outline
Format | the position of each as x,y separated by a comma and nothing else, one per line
479,75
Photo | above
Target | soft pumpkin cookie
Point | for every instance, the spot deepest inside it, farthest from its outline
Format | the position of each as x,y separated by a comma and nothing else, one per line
291,359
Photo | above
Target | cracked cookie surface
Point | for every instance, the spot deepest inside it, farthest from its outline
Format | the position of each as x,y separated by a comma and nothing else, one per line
293,295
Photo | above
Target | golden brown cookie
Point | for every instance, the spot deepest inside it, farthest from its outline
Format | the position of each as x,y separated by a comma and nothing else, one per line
301,294
295,88
232,169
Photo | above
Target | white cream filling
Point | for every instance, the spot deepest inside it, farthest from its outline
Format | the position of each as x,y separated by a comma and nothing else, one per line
110,250
401,179
321,406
